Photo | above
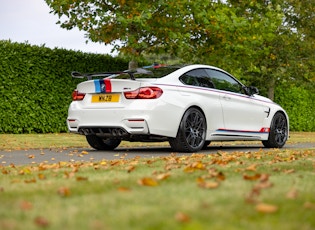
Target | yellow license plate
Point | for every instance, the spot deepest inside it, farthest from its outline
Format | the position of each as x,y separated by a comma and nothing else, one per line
105,98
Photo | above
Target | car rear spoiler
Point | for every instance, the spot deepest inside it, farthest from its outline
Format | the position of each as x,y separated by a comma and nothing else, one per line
90,76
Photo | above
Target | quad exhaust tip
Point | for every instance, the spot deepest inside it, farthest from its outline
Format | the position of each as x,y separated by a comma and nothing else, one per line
114,132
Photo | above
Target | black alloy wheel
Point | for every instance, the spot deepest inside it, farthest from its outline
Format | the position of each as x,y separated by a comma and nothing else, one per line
191,134
278,132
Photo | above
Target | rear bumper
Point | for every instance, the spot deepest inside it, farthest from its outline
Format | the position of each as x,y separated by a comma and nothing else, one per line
154,119
125,129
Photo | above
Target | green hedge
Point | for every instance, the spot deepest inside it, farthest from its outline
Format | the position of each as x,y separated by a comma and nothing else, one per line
36,85
299,102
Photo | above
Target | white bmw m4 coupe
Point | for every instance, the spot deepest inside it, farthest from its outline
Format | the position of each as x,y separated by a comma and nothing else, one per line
188,106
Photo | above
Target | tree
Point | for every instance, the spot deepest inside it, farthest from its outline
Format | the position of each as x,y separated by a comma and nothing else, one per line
174,27
285,54
261,41
137,25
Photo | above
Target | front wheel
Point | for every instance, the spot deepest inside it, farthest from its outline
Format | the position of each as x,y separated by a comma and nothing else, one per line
278,132
102,144
191,133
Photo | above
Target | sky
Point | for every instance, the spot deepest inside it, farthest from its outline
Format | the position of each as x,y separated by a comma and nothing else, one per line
29,21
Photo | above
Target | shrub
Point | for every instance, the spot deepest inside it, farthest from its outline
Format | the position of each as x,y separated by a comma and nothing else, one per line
298,101
36,85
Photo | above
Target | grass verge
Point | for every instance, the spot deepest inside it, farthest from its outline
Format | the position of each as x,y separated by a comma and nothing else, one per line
263,190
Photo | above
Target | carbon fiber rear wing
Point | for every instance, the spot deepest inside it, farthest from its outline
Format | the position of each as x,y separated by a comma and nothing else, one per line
90,76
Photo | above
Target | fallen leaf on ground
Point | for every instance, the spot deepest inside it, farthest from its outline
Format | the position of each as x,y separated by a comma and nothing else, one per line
64,191
33,180
182,217
220,176
309,205
251,167
292,194
263,185
266,208
208,184
81,178
26,205
147,181
41,176
198,165
124,189
69,174
25,171
251,177
213,173
289,171
130,168
4,171
41,221
264,177
163,176
116,162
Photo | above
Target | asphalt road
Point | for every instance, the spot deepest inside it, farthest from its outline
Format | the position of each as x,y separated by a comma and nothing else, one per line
36,156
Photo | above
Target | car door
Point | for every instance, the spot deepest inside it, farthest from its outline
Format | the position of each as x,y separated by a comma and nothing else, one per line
241,112
199,88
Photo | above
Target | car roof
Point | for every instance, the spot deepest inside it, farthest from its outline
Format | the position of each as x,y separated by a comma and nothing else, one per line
187,68
162,71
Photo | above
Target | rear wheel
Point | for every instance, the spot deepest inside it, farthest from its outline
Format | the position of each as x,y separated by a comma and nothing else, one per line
278,132
191,132
102,144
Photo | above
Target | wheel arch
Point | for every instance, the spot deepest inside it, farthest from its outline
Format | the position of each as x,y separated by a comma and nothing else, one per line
287,117
196,107
285,114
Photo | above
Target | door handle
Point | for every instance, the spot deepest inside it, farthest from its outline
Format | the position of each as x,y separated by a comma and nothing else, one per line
226,97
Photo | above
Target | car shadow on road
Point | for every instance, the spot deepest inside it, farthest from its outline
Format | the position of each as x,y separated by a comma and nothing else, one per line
208,149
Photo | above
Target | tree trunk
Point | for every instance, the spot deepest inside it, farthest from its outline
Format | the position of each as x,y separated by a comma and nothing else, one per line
133,65
271,89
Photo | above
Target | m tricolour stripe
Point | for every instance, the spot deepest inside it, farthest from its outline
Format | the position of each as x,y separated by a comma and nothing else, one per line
262,130
108,86
97,85
103,86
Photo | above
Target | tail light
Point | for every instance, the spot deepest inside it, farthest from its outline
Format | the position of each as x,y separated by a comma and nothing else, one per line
77,96
144,93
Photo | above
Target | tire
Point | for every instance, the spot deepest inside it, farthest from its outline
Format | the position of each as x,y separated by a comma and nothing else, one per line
278,132
191,133
205,146
102,144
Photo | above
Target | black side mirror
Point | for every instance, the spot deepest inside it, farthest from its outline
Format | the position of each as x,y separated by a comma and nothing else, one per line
252,90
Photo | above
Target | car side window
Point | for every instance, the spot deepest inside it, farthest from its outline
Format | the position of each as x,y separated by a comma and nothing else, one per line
197,77
225,82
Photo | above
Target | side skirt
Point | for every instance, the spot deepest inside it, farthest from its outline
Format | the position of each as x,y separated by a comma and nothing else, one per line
231,135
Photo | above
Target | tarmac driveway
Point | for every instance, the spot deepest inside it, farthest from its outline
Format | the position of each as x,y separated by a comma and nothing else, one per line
36,156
